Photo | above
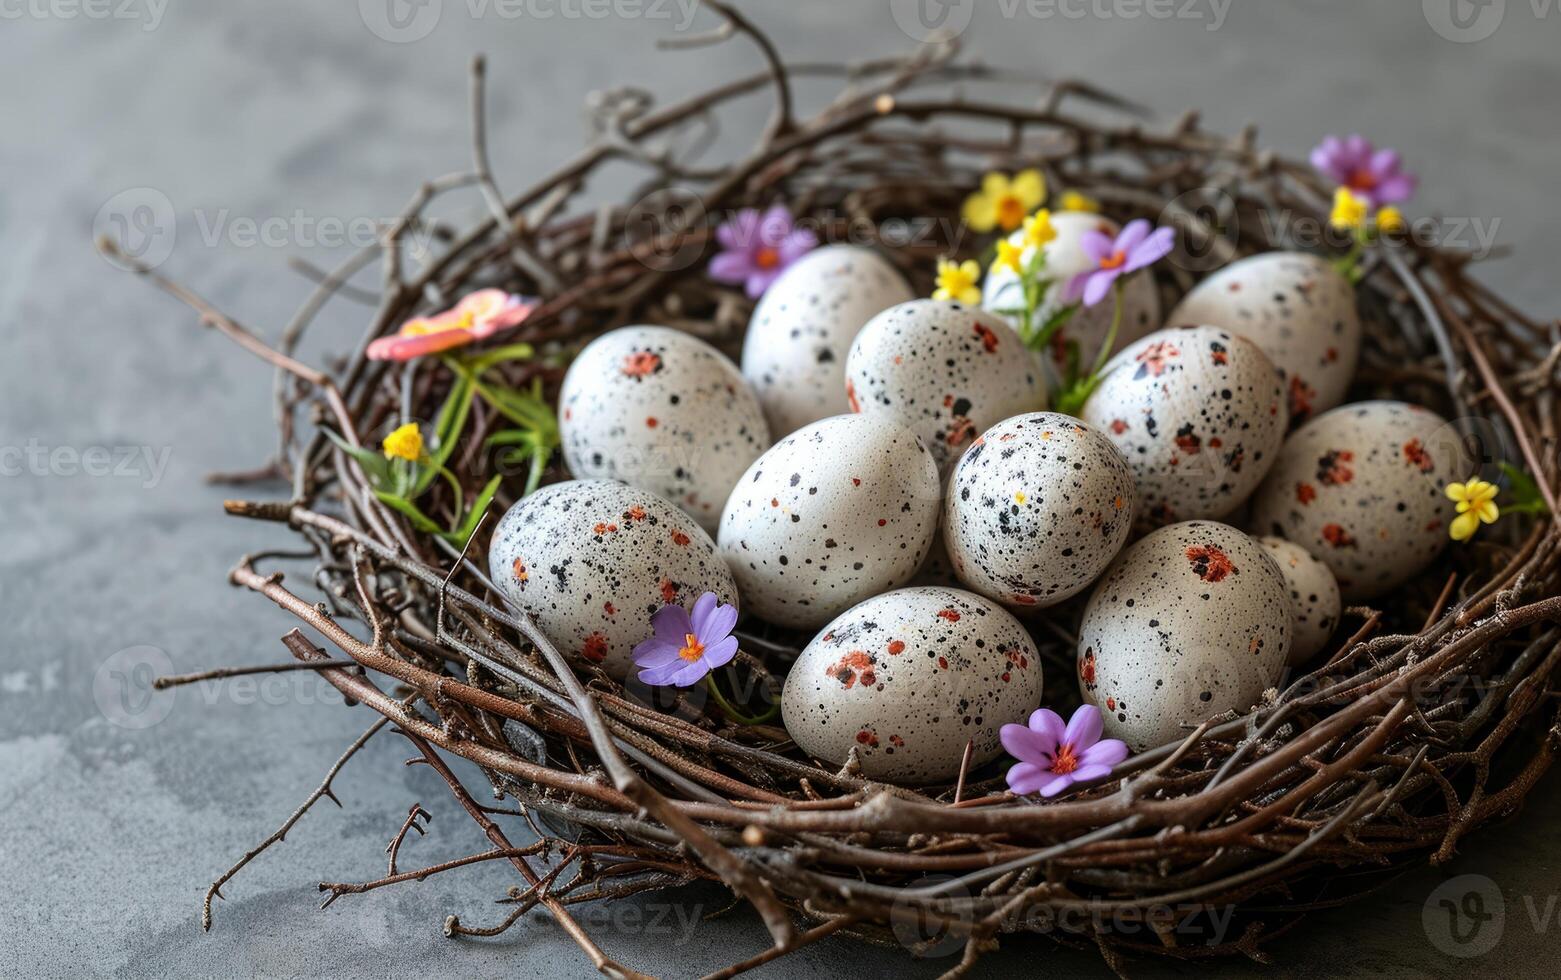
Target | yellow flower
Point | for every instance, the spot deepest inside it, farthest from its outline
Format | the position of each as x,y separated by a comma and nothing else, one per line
958,281
1390,220
1476,503
1038,229
1349,211
1074,201
404,443
1008,254
1003,203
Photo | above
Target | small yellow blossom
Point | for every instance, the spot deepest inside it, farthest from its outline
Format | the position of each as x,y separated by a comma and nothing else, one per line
1003,202
1020,498
957,281
404,443
1008,255
1349,210
1476,504
1038,229
1074,201
1390,220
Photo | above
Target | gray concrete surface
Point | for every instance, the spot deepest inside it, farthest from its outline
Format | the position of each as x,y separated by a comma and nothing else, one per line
116,809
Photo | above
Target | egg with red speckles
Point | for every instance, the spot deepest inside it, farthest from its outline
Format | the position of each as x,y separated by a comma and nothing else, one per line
660,409
1362,489
945,370
1199,412
838,511
1313,593
1299,309
1088,326
592,560
907,679
1190,621
1037,508
802,328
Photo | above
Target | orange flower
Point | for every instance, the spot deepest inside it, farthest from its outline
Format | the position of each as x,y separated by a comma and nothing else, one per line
479,315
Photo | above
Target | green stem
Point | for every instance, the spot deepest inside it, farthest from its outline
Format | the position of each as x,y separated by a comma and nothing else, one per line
732,712
1111,335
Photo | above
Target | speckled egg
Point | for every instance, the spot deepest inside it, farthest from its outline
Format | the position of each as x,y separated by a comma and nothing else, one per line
945,370
1066,258
1199,412
907,679
1299,309
795,351
1361,488
1190,621
838,511
660,409
1313,593
592,560
1037,508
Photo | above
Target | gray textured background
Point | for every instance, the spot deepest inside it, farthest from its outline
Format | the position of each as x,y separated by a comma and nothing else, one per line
293,109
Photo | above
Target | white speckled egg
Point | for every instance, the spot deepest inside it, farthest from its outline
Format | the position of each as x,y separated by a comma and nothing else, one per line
1313,593
660,409
795,351
1066,258
1199,412
945,370
1037,508
592,560
1361,488
838,511
1191,620
1299,309
907,679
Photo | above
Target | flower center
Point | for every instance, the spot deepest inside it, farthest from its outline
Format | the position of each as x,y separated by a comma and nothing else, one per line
1115,260
1064,761
1362,179
1010,212
766,257
692,649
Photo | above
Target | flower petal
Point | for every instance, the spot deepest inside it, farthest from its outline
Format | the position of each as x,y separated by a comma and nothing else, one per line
1099,284
731,267
720,653
1090,771
691,673
1084,727
1097,244
655,652
1049,725
403,348
738,233
1030,188
1106,752
1395,189
994,184
661,674
797,244
1136,231
671,624
759,281
717,625
1056,784
1026,778
1074,288
700,614
774,226
1463,527
1151,250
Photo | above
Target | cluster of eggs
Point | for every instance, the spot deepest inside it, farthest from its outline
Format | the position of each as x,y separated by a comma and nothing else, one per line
881,471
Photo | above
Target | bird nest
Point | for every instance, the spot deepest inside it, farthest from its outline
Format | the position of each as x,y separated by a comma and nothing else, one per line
1433,718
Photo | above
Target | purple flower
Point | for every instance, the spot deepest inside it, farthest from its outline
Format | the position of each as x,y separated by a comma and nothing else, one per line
1052,758
687,647
1371,173
1132,249
758,248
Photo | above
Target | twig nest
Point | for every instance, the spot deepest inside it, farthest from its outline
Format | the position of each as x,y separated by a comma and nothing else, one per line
1192,620
1362,489
1298,309
907,679
663,410
1037,508
591,560
795,352
837,512
945,370
1313,593
1199,412
1088,327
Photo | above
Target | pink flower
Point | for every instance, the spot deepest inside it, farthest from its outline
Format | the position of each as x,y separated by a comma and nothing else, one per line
1053,757
758,248
685,648
1130,251
1369,172
477,316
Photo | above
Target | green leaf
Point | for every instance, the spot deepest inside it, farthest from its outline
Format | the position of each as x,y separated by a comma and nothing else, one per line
510,352
1053,323
375,466
447,432
1525,492
468,524
419,520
